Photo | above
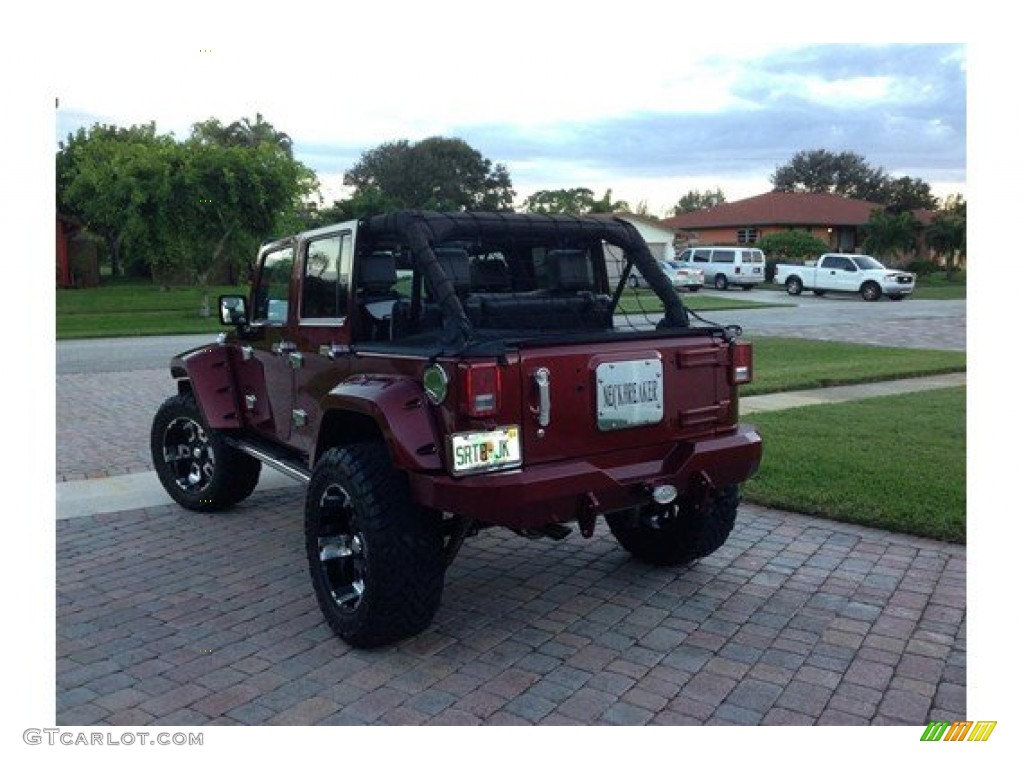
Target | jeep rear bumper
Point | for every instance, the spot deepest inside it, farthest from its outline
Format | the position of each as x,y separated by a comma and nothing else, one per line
561,491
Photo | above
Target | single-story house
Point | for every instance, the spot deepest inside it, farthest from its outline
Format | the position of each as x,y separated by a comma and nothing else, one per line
830,218
660,240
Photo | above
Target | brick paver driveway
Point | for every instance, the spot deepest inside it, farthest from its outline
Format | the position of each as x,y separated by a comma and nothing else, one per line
169,617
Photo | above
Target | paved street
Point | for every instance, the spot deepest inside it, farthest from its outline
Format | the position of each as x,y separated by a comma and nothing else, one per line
916,323
170,617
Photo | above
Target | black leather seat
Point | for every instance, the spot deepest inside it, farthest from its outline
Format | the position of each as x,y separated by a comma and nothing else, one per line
375,291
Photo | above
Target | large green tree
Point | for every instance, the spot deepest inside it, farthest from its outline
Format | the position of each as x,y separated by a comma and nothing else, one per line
184,207
699,200
849,175
907,194
108,179
821,171
577,201
438,174
222,201
574,202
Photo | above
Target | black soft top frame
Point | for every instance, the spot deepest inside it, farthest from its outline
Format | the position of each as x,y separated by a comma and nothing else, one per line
422,230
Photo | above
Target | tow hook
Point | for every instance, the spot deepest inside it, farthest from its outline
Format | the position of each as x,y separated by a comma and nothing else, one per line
701,491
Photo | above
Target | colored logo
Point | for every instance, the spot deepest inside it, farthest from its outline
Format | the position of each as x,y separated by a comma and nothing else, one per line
960,730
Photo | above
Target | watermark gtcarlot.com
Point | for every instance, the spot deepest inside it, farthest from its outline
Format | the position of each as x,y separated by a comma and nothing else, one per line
70,738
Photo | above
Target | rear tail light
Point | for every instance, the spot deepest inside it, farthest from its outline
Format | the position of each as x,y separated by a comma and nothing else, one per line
741,363
479,389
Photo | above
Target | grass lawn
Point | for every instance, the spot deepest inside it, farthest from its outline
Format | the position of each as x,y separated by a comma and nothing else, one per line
897,463
137,309
787,364
936,286
641,300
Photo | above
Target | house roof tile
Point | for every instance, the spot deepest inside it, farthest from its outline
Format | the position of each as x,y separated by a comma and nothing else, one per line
797,208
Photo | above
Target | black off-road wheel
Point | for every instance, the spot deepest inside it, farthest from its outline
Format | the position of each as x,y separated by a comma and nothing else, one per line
195,466
375,558
668,535
794,286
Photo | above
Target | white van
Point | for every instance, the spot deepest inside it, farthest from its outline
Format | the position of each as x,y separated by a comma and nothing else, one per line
724,265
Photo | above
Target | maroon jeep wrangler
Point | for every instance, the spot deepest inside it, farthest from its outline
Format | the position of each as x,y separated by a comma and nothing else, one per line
429,375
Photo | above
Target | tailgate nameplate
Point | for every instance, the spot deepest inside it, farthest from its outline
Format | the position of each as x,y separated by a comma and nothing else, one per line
630,393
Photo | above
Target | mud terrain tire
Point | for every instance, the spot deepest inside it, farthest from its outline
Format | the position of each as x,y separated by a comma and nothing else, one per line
375,558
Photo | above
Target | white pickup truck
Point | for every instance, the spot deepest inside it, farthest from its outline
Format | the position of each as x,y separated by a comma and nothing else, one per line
848,273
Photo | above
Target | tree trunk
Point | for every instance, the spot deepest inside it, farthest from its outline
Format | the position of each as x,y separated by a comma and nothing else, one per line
114,246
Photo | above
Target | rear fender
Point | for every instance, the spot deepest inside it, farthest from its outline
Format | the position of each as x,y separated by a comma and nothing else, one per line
399,409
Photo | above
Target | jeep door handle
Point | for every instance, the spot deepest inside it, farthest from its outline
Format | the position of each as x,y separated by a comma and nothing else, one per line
543,379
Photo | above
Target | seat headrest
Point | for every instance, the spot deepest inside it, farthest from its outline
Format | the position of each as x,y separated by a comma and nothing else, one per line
489,275
377,273
569,270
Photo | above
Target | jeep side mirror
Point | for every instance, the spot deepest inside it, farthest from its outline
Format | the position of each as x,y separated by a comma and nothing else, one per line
233,310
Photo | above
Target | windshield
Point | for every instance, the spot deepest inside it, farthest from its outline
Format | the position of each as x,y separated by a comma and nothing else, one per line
868,262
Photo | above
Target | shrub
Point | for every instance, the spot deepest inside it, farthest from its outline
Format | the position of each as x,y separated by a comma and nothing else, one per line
796,245
923,267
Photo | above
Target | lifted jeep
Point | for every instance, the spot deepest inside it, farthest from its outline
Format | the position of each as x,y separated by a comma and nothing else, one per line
429,375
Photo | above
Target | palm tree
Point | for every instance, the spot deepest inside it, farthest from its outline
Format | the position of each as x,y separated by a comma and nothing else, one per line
606,205
948,236
246,133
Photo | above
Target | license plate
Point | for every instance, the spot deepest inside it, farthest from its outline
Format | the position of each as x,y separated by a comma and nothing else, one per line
630,394
485,451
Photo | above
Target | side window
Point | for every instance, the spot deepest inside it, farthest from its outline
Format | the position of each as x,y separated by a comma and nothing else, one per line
325,277
272,287
832,262
701,257
722,257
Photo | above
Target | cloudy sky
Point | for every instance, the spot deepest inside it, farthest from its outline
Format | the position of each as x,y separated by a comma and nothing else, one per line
624,103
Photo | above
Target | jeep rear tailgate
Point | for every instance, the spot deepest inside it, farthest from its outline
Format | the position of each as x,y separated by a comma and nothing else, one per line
581,400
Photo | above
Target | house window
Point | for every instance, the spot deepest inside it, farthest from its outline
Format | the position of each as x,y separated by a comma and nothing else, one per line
746,235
